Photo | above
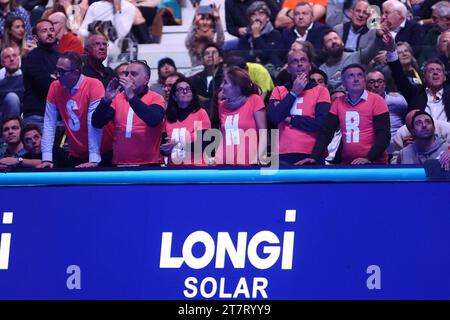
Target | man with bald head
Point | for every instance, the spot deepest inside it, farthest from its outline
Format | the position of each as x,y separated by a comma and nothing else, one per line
11,83
397,105
67,40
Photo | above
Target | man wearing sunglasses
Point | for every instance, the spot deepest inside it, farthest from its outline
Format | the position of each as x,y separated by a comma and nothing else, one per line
137,113
74,97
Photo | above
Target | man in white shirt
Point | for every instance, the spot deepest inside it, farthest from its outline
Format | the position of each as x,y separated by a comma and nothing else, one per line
121,13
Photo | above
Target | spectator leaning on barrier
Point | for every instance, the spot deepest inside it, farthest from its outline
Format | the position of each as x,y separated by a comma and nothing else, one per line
31,138
362,117
243,121
138,115
299,109
426,145
74,98
14,149
185,124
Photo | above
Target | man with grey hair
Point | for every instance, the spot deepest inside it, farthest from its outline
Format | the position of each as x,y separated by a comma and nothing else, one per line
402,29
67,40
440,26
441,15
262,42
11,83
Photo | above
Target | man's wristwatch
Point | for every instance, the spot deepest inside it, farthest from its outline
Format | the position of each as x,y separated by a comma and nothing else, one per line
20,160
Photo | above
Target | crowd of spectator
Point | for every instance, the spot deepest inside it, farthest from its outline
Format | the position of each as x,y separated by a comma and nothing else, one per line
348,82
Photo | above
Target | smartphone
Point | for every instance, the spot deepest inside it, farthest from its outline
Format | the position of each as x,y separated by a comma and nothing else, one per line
205,9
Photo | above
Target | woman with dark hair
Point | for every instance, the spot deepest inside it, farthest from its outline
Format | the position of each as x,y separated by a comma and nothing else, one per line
243,121
10,8
185,119
14,36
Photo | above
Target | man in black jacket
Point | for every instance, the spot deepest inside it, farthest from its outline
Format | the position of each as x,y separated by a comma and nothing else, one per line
236,15
210,79
262,42
305,28
39,72
402,29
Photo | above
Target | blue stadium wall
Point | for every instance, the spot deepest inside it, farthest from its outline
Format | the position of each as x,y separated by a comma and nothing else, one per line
364,233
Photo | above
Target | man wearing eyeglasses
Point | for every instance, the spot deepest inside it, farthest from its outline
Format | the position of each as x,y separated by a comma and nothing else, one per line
138,115
355,34
74,97
397,105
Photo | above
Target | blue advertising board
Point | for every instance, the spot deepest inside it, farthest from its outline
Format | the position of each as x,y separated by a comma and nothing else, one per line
273,241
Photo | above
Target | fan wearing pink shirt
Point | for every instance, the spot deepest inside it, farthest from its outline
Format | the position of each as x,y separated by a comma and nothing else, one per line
186,121
243,121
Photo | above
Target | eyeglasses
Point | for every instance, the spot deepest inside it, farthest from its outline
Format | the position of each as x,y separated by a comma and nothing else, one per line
373,81
62,71
184,90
